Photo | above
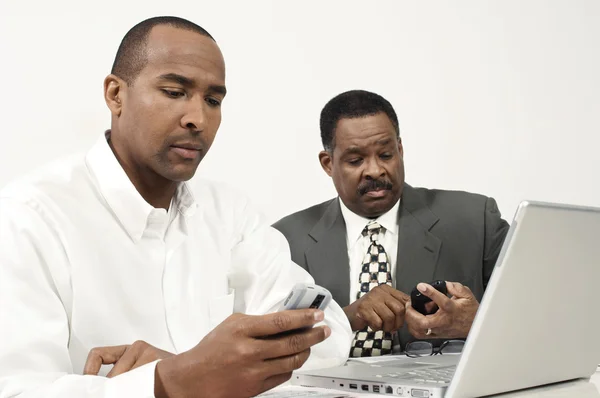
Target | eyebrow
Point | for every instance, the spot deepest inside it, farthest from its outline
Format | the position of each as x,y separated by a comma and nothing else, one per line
353,150
383,141
217,89
176,78
187,82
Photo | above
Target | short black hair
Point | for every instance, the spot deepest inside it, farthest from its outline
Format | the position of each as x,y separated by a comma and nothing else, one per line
353,104
132,57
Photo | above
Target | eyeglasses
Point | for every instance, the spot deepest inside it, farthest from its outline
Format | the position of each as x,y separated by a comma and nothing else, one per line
417,349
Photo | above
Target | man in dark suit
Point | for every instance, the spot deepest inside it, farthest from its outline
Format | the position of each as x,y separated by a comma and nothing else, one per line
381,237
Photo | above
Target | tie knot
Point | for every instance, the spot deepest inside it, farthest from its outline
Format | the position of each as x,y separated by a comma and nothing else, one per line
372,230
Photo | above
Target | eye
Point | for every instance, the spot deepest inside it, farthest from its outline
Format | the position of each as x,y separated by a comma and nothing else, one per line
213,101
173,93
355,162
385,156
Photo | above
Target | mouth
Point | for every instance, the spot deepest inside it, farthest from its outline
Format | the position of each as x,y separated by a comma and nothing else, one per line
186,151
375,188
377,193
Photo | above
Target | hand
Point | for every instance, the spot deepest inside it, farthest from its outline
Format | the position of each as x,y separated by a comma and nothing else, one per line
124,357
243,356
452,320
381,309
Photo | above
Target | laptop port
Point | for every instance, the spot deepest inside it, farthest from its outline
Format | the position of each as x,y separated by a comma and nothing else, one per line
365,387
375,388
389,390
353,386
418,393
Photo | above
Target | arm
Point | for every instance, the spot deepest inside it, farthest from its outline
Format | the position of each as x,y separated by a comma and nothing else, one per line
495,232
34,314
262,275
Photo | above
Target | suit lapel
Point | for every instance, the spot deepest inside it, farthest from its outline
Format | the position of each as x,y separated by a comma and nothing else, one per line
327,259
418,248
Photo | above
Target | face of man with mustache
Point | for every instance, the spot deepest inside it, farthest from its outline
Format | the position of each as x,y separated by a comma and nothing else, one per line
366,164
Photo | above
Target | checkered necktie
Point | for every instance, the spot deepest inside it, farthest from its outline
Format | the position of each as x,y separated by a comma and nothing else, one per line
375,271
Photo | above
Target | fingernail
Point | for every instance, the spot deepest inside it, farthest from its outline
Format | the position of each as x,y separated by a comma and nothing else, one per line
422,287
327,331
319,316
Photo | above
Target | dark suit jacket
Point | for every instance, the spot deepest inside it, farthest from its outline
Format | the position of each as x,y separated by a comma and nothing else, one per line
448,235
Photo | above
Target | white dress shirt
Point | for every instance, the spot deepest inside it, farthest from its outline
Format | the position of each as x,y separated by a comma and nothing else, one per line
86,262
358,244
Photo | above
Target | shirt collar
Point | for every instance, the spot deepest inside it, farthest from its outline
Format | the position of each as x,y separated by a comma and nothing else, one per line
122,197
355,223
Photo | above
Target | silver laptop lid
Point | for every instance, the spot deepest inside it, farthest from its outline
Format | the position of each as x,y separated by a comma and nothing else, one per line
538,321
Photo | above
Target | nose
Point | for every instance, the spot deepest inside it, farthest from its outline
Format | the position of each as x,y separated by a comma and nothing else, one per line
373,169
194,117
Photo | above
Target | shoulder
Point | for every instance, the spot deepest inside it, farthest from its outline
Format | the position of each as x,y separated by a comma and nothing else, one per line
304,220
223,204
454,205
56,184
440,198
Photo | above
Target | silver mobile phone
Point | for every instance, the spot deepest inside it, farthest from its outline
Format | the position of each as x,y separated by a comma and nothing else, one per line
304,295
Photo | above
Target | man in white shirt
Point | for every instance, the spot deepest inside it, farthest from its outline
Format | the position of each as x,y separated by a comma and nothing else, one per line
381,237
113,247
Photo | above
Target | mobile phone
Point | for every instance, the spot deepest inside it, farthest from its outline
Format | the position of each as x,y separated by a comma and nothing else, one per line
305,295
418,300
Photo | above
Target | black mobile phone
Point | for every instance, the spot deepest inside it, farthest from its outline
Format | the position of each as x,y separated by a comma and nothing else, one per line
418,300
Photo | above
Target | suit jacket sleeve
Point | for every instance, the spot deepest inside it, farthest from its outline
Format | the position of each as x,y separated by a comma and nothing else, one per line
495,232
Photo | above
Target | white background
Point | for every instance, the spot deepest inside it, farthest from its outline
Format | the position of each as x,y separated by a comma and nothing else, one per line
496,97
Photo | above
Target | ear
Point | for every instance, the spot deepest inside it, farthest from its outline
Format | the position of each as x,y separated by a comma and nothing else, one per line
114,93
400,147
326,160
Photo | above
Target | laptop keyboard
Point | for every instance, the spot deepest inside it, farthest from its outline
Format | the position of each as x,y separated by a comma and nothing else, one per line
440,375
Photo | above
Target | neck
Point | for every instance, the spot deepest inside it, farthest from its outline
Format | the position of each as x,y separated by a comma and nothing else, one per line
155,189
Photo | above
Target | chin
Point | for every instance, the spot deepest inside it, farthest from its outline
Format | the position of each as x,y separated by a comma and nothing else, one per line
378,208
179,175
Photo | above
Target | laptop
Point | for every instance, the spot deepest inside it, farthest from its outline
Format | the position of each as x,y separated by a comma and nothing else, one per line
538,322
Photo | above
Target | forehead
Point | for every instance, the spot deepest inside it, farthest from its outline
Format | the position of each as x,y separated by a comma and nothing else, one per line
364,131
174,50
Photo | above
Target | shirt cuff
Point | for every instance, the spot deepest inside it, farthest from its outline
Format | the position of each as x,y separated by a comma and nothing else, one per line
137,383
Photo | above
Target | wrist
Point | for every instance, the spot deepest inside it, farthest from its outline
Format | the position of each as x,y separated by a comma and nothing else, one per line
165,378
350,312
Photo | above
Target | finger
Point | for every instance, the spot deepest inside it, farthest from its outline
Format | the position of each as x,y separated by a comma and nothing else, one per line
370,317
397,294
102,356
439,298
414,318
398,310
396,306
417,323
125,363
292,343
431,307
287,364
279,322
459,290
387,317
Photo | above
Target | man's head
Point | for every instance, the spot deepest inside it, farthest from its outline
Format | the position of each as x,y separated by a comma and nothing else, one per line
363,152
165,92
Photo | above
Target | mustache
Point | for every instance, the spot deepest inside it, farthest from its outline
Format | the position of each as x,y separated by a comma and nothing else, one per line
372,185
